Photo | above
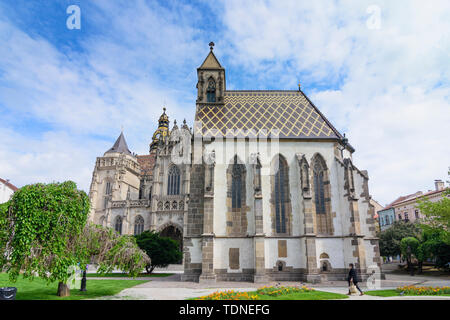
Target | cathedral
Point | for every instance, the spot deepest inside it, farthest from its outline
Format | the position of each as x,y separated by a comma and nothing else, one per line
263,187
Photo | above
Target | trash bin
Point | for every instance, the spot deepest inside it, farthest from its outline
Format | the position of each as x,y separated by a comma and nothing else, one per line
8,293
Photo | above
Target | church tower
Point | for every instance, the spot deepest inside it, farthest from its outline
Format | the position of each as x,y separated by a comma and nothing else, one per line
211,80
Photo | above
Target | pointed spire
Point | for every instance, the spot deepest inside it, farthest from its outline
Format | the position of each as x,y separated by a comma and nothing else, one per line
185,126
120,146
211,61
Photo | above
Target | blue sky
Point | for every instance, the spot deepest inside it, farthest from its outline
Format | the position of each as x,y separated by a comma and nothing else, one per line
382,78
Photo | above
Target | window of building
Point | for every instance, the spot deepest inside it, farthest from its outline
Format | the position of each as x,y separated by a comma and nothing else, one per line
118,225
173,186
236,185
108,188
138,225
406,216
319,190
416,212
281,196
211,91
399,216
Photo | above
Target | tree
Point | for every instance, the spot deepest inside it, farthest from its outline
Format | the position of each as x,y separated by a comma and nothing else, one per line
409,247
162,251
433,245
41,219
390,239
437,214
43,231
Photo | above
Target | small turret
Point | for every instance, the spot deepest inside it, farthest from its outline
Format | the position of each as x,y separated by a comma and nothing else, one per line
160,135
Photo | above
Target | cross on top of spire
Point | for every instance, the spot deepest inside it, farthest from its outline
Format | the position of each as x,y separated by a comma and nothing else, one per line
211,45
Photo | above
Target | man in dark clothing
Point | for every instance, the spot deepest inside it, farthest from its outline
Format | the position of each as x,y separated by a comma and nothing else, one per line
353,277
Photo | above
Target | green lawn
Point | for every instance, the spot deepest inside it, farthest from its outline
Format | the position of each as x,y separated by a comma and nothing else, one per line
394,293
126,275
37,289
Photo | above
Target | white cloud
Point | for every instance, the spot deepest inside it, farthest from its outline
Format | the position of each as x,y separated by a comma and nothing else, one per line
391,85
387,88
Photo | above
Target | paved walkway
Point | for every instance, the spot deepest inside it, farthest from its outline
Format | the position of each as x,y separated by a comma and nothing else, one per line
171,288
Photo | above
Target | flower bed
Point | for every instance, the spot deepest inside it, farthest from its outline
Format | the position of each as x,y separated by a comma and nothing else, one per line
423,291
230,295
267,291
278,291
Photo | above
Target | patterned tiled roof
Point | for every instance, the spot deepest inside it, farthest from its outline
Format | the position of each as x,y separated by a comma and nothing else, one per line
290,113
147,163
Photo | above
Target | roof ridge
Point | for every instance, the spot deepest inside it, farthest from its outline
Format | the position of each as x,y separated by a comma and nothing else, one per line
9,184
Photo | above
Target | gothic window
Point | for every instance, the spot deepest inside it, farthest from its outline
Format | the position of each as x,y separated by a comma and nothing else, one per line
138,225
181,205
173,186
150,194
236,185
118,225
211,91
174,205
102,221
281,195
236,216
167,205
160,205
319,190
108,188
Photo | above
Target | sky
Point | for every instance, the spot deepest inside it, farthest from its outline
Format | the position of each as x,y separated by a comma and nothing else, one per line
378,70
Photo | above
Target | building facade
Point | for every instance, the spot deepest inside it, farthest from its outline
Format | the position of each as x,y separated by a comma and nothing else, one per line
405,208
274,192
132,193
262,188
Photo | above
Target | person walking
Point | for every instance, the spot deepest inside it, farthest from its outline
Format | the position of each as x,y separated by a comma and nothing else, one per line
353,277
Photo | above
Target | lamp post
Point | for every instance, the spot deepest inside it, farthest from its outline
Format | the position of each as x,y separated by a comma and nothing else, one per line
83,280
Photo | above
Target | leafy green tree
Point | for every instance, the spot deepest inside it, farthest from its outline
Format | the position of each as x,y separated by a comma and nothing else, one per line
433,246
409,247
162,251
390,239
41,219
43,231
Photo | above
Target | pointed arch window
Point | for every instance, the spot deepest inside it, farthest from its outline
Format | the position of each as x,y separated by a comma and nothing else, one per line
237,183
173,186
118,225
319,189
281,195
211,91
138,225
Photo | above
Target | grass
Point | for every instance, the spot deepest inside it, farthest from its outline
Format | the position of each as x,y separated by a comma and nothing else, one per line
408,291
382,293
125,275
315,295
274,293
37,289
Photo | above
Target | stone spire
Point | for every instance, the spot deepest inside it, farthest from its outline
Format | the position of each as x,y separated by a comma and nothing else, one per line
120,146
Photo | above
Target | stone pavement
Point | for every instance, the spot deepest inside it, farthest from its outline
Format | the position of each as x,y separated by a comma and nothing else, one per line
171,288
